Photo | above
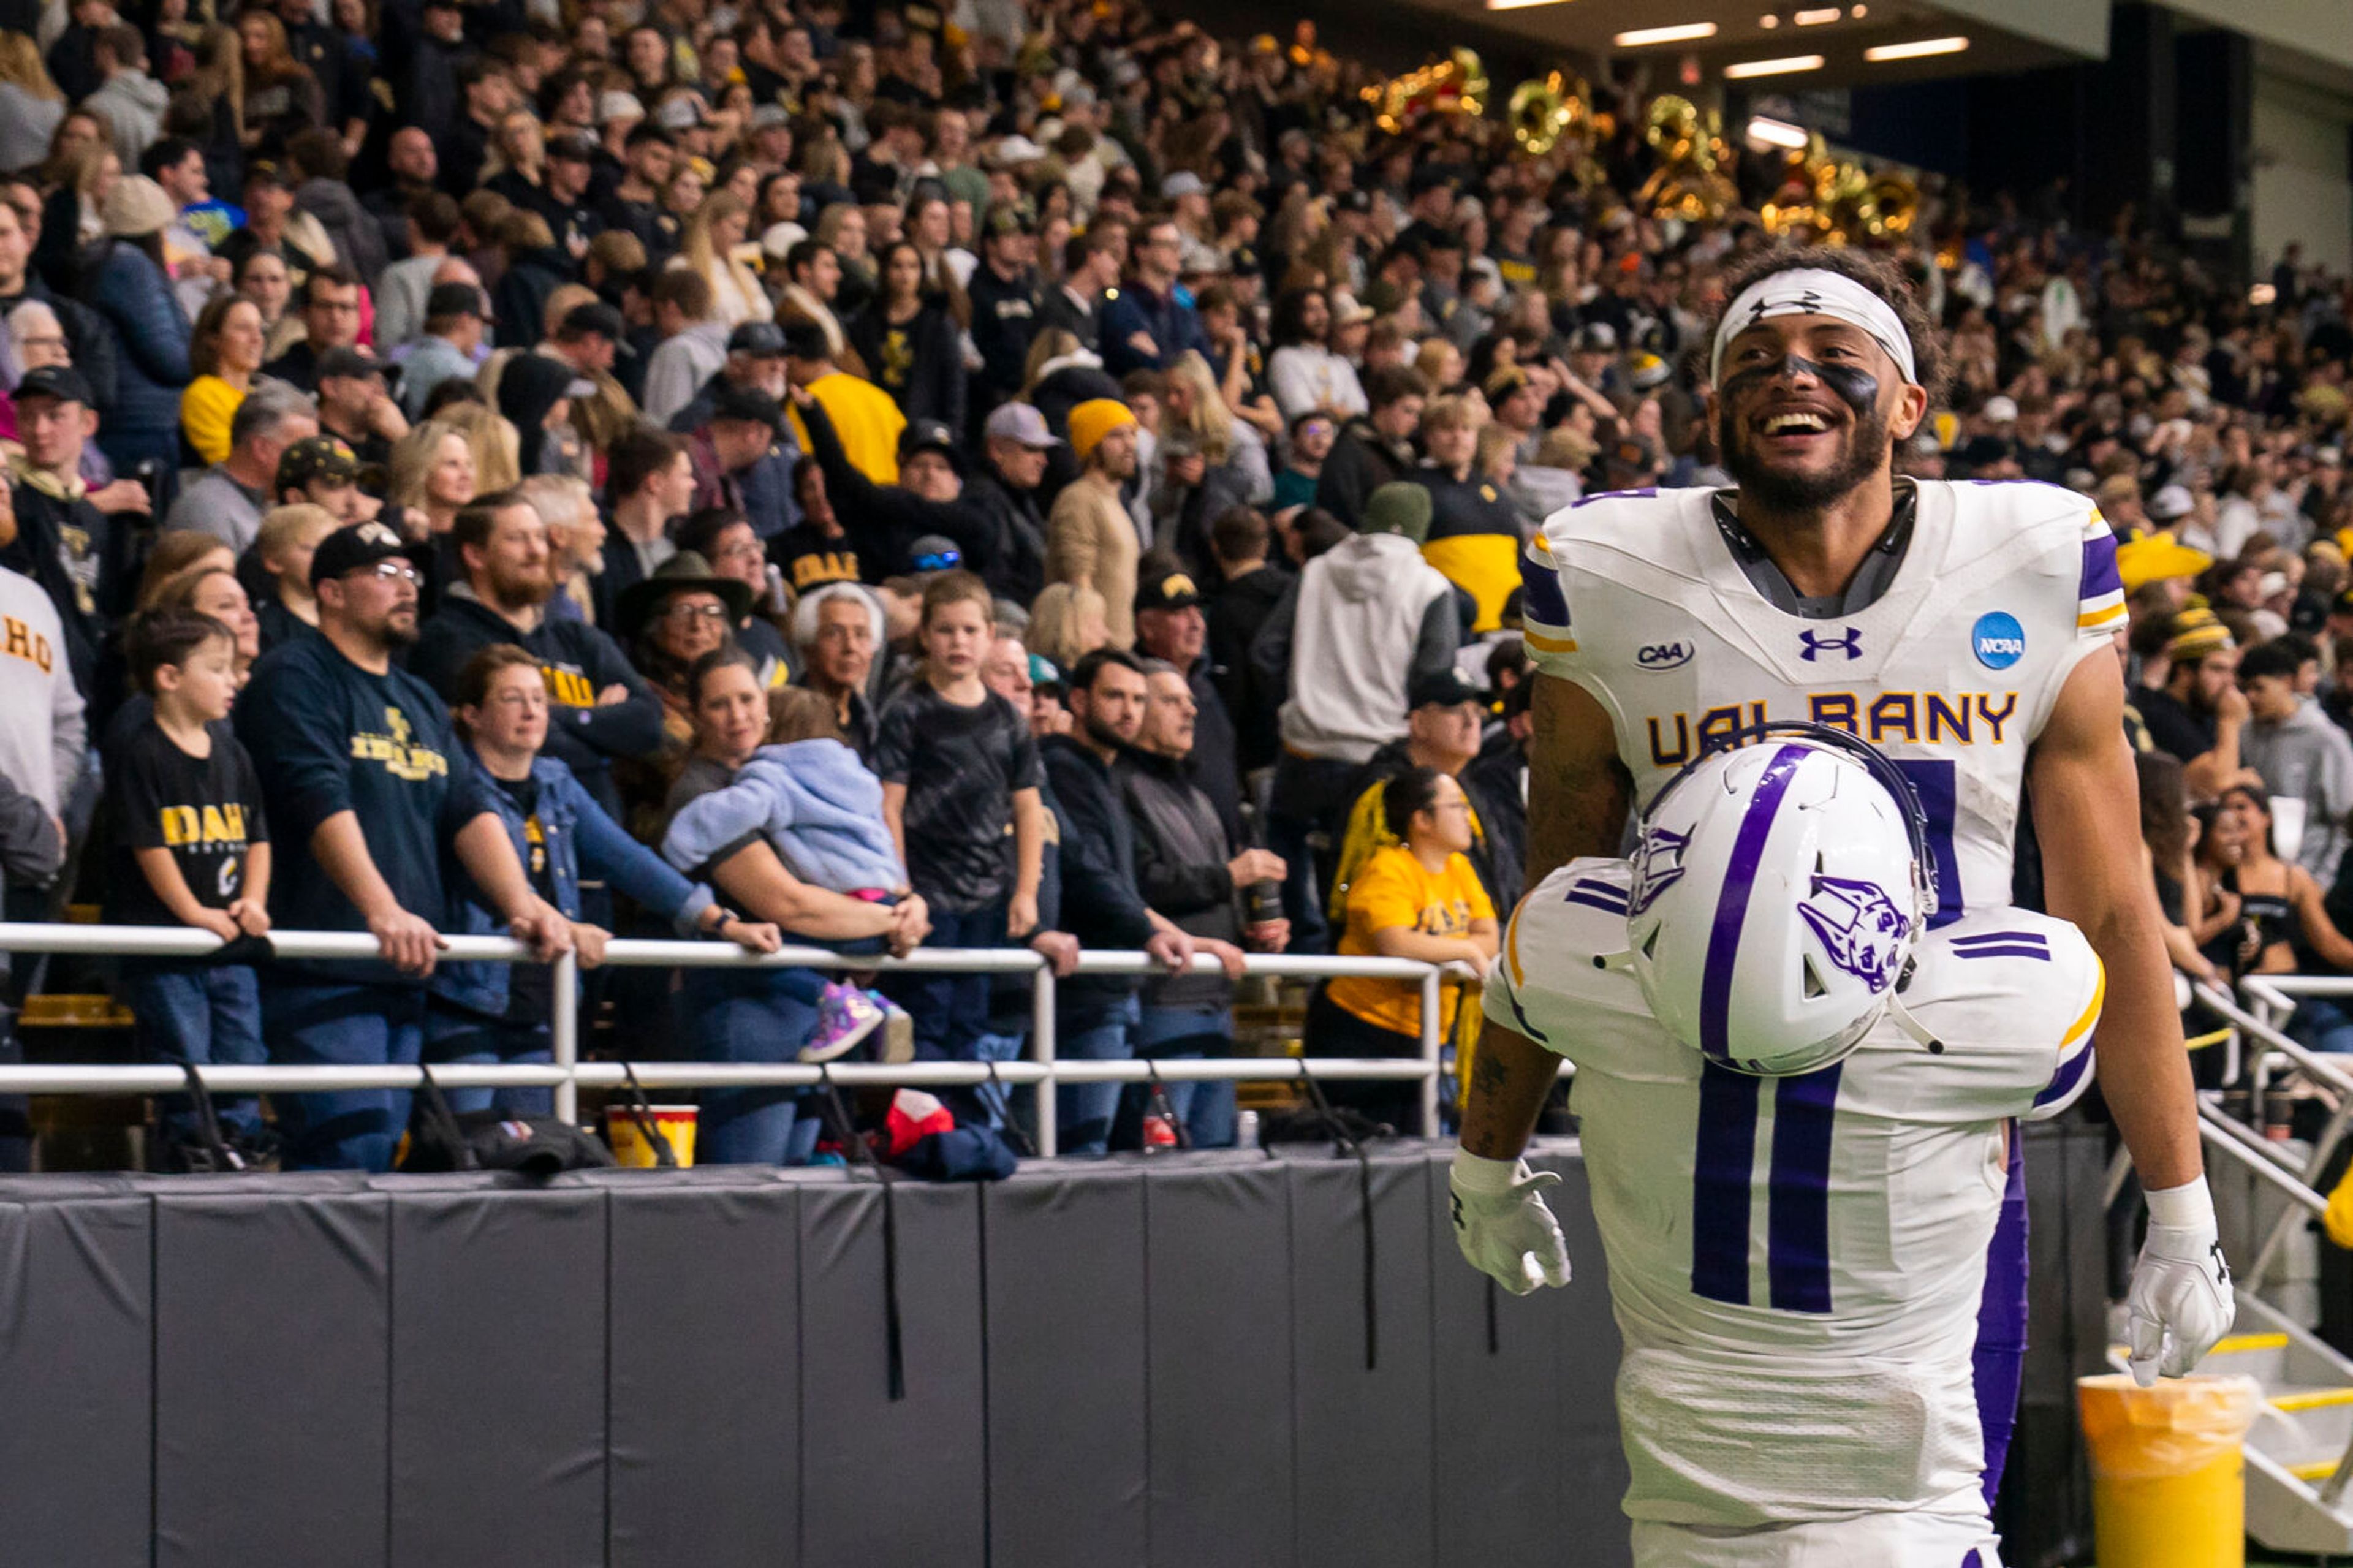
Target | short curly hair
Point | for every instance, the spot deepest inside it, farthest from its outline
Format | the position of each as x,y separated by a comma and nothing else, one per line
1877,273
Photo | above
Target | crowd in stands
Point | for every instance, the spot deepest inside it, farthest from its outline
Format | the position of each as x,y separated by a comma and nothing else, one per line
1029,473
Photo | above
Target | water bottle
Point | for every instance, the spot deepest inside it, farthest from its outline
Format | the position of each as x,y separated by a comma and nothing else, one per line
1246,1130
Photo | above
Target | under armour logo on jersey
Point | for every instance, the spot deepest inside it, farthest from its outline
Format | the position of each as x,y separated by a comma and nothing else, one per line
1816,645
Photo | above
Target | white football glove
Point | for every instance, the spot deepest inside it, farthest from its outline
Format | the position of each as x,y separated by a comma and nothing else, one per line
2180,1302
1501,1225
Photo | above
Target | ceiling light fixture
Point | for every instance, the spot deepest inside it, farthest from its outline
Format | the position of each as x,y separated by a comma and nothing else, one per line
1769,133
1769,21
1782,66
1920,49
1686,32
1817,18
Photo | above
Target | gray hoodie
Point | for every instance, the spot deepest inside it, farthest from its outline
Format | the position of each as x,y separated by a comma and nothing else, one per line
1364,618
2306,757
132,104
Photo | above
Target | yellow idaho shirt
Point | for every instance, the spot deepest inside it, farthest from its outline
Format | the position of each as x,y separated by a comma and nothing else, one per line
865,419
1394,889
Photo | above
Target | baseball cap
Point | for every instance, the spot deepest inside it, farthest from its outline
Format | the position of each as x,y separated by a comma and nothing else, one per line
457,300
1595,337
769,114
595,317
934,553
1169,590
1019,422
58,380
349,548
1444,688
613,104
2171,501
2001,410
575,148
761,340
729,401
323,458
2194,634
1011,150
1183,182
684,112
354,361
928,435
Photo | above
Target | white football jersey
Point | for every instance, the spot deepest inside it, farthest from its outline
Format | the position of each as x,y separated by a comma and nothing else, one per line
1952,672
1795,1263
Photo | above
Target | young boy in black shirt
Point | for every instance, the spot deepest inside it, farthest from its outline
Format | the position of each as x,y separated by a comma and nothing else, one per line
958,766
190,849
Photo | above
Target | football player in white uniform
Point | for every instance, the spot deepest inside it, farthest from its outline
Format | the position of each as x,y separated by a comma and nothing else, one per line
1951,627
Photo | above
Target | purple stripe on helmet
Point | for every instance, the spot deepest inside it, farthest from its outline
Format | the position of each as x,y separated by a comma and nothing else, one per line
2015,951
1732,904
2071,1073
1722,1175
1590,902
2100,575
1797,1220
1998,1359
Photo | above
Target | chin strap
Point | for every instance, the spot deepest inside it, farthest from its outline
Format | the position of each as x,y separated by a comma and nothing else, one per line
1911,1026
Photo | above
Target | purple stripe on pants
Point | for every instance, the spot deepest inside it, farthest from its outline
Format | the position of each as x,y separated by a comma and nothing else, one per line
1999,1357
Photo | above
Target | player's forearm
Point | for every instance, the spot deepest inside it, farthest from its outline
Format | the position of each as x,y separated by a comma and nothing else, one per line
1510,1076
2144,1071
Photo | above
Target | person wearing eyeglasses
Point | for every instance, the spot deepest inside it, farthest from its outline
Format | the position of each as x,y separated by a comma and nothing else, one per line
682,612
369,794
723,536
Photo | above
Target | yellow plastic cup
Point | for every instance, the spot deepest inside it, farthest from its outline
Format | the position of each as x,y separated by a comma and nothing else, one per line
2168,1473
630,1146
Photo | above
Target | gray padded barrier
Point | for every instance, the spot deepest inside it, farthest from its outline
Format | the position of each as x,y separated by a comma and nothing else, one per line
1145,1360
1592,1464
891,1481
76,1317
498,1373
1496,1362
1218,1324
704,1359
2045,1504
271,1311
1063,1257
1362,1449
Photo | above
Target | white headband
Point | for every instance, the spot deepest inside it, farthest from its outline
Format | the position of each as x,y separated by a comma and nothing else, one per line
1810,291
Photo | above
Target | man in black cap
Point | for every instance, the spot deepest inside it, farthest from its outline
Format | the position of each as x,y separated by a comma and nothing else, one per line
455,316
882,523
739,434
755,358
561,195
1170,627
354,408
322,471
66,539
1016,446
367,789
1008,299
1444,717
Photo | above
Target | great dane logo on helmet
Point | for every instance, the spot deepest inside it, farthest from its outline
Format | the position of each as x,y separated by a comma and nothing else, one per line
1860,927
1779,885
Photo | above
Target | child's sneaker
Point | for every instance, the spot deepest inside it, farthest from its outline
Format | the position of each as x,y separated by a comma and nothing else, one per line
898,1029
844,1016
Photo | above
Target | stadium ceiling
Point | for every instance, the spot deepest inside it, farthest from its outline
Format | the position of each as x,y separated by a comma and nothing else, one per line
1779,46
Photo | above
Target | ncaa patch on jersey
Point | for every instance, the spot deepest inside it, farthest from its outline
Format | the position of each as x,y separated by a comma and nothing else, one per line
1997,639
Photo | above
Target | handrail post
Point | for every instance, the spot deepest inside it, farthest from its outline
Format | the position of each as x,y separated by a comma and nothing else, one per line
1430,1047
1041,1050
563,1029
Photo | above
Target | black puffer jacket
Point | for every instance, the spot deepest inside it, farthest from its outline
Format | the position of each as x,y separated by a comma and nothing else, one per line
1181,850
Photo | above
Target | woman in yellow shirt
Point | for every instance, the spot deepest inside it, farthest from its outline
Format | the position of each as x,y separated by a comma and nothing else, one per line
1421,898
225,352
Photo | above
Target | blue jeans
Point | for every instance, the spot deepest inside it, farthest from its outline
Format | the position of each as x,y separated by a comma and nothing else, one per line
1205,1106
753,1015
455,1036
1084,1110
347,1026
2322,1023
203,1014
950,1011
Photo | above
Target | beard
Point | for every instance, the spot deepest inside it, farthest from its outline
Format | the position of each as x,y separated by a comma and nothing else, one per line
1104,735
522,589
1867,447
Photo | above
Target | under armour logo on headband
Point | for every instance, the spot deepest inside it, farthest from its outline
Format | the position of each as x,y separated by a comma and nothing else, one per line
1812,292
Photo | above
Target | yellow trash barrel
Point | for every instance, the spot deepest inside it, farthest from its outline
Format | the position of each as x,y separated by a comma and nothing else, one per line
2169,1477
676,1123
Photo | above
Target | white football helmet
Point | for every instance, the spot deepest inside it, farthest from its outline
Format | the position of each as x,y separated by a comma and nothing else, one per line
1778,889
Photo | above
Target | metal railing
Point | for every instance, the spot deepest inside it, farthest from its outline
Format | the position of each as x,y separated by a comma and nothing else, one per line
567,1074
